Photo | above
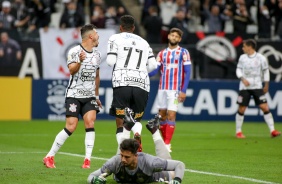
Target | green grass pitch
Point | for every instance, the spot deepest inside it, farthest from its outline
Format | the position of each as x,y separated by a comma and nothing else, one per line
209,150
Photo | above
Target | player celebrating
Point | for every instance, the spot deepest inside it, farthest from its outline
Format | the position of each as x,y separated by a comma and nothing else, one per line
131,166
175,65
132,58
252,68
82,95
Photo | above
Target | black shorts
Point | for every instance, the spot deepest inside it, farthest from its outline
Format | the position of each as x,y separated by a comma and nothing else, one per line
76,106
245,97
132,97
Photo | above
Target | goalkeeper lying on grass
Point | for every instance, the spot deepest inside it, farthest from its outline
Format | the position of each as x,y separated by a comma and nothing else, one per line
135,167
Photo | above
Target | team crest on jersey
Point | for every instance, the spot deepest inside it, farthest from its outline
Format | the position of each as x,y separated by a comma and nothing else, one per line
72,107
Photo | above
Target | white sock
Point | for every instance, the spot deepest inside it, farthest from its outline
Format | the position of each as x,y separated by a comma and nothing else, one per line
125,134
157,136
58,142
269,121
239,122
137,128
89,144
160,149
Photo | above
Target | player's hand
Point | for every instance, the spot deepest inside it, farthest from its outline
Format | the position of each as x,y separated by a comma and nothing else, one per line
174,182
181,97
245,82
99,103
82,55
98,180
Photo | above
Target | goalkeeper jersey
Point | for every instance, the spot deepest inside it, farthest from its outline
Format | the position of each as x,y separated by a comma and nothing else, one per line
148,165
133,53
82,84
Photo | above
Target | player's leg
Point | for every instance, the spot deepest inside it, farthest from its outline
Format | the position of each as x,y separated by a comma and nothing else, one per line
89,111
138,105
72,112
121,99
261,101
162,106
242,101
160,148
172,108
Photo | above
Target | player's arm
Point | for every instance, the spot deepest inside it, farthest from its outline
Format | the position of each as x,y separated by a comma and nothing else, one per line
112,49
152,63
187,74
155,71
75,61
266,76
239,72
97,82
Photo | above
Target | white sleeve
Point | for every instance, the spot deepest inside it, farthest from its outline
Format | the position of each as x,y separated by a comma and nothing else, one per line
239,72
111,59
266,76
152,64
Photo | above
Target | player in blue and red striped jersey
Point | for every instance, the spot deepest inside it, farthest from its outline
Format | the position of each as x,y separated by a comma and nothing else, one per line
175,66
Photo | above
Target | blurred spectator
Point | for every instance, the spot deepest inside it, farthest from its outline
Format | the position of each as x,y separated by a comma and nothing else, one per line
153,26
180,22
40,17
10,52
168,9
120,12
111,21
264,22
71,18
7,20
214,18
93,3
98,18
20,11
146,4
241,16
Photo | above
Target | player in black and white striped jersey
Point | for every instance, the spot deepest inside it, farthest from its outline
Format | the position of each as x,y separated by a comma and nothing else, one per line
82,93
132,58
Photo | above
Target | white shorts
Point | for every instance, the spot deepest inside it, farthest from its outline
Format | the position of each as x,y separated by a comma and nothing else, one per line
167,99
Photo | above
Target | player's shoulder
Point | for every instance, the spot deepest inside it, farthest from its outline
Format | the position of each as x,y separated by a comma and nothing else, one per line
243,56
75,48
260,55
114,37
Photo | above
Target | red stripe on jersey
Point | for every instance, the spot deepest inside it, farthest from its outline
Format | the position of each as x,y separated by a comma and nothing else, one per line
167,72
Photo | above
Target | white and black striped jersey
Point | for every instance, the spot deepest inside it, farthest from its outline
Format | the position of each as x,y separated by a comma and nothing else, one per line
252,68
82,84
132,57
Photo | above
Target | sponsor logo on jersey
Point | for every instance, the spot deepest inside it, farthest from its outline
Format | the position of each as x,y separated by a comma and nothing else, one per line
87,75
134,80
85,93
72,107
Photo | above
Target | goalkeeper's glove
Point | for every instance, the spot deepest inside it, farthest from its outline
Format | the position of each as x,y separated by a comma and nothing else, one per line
176,180
98,180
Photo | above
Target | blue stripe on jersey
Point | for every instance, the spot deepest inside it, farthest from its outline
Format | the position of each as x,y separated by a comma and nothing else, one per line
171,70
164,68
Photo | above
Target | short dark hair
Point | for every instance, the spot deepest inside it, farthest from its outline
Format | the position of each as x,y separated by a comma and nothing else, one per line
131,145
251,42
86,28
127,22
178,31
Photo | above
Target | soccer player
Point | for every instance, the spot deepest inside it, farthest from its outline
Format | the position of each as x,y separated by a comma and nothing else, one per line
252,70
132,58
131,166
82,95
175,66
